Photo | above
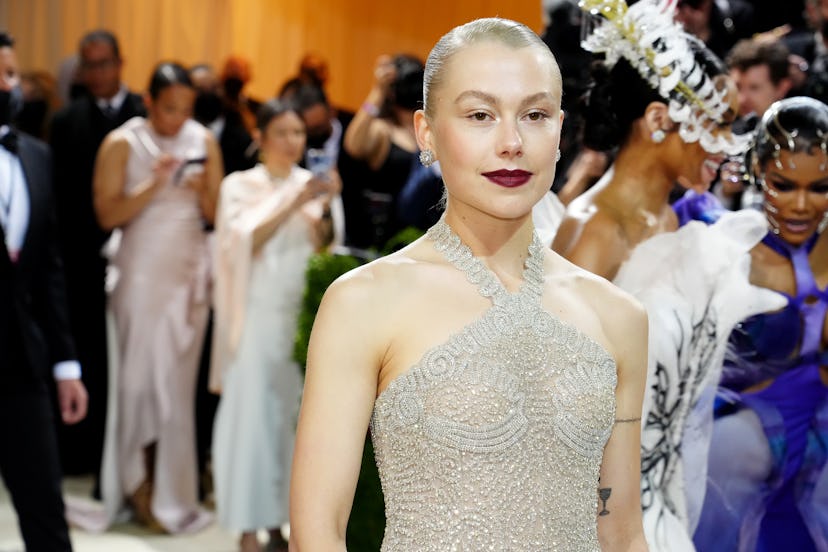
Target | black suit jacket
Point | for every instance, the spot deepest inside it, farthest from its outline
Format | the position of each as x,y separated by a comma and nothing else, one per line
356,179
234,143
34,326
75,136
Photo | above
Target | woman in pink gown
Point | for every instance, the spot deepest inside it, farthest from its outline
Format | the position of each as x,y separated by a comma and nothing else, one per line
156,183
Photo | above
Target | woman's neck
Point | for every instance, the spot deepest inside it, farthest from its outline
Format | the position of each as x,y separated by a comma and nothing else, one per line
502,243
640,177
278,170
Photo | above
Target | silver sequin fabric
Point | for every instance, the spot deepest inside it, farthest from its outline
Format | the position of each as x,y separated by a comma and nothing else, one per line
493,440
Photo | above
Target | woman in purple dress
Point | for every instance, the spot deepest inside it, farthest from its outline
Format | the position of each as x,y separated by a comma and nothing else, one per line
767,486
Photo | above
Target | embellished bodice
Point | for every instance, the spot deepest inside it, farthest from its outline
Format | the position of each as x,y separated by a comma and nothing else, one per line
494,439
766,345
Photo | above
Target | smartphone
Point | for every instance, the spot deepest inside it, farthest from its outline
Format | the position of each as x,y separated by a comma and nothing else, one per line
181,170
319,161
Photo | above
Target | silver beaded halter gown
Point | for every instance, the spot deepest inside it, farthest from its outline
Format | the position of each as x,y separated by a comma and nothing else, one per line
493,440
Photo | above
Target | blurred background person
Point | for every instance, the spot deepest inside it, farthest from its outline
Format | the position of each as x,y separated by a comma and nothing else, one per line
579,167
382,134
70,86
717,23
760,68
271,219
237,148
235,74
767,486
238,152
40,101
159,300
76,132
326,127
314,68
35,339
811,44
667,127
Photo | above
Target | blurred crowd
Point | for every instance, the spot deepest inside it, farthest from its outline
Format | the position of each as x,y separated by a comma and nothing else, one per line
144,184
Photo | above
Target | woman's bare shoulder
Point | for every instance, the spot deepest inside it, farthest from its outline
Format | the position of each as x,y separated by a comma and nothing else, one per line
116,139
587,220
599,307
591,287
385,281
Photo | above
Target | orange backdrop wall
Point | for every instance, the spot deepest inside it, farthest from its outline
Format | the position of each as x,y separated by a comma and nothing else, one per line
272,34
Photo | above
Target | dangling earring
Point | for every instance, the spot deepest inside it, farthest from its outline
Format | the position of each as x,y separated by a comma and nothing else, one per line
823,224
770,211
427,158
658,136
558,155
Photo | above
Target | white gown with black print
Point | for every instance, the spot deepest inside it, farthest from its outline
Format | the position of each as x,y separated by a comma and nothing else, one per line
694,285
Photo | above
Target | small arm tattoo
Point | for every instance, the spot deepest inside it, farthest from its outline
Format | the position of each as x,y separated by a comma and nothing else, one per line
627,420
604,495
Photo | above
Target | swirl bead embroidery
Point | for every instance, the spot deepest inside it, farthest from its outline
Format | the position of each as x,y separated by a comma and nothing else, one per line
493,441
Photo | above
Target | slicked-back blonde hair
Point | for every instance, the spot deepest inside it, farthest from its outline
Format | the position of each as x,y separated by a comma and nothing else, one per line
493,29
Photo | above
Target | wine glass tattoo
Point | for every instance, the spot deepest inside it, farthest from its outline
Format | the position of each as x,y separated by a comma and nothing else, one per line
604,495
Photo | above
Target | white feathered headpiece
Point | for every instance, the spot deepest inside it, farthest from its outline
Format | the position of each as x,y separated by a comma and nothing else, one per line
647,36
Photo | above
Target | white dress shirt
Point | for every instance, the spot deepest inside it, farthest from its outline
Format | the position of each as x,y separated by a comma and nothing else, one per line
14,218
115,102
14,199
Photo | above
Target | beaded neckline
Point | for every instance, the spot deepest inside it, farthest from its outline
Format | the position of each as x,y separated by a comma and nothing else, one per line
460,256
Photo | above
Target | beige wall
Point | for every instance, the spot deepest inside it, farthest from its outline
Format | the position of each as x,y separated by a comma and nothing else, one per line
272,34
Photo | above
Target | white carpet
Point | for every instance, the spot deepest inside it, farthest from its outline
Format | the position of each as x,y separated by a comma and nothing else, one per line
121,538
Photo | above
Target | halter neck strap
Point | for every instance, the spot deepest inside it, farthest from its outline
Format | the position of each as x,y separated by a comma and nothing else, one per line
811,301
461,257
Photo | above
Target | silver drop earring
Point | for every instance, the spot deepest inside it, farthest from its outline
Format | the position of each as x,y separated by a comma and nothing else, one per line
823,224
427,158
658,136
558,155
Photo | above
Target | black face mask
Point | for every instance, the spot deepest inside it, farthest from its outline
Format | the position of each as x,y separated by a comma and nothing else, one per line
32,117
207,107
233,87
317,140
10,103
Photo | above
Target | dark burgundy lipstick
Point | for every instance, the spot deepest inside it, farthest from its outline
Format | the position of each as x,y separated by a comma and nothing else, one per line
507,178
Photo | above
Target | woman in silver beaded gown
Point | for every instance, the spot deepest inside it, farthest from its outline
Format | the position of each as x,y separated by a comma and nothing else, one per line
502,384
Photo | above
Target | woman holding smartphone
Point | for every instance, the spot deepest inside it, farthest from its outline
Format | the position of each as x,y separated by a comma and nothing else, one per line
145,188
271,219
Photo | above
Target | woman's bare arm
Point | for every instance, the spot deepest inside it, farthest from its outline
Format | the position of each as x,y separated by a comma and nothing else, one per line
620,525
208,191
344,357
114,206
368,137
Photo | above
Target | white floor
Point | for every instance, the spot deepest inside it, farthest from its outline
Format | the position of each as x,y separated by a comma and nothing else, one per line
121,538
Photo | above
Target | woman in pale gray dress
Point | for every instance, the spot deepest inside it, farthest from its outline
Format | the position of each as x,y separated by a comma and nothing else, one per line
270,220
156,182
502,385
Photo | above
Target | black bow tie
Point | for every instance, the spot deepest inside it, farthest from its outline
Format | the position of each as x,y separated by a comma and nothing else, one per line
9,141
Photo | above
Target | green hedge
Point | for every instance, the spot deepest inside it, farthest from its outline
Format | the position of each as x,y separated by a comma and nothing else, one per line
367,522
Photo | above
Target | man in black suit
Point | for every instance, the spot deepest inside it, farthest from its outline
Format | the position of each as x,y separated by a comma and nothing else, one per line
326,128
76,133
34,331
237,149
